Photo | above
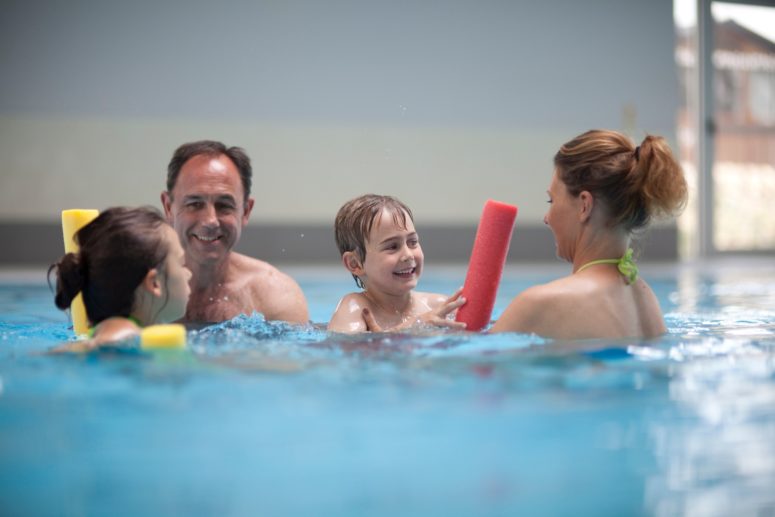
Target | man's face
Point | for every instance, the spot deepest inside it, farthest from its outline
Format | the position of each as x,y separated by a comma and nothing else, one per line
207,208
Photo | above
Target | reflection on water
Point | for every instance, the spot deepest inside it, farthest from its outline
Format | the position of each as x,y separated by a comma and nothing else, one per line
716,448
313,423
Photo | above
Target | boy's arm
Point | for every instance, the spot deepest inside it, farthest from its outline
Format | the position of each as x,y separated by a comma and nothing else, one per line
348,316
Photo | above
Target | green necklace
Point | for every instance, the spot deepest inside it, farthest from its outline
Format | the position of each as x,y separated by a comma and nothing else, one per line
626,266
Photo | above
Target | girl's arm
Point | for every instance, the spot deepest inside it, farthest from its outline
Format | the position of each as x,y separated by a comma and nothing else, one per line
115,329
111,330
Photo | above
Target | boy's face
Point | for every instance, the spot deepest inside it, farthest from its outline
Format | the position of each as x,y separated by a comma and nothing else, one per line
394,257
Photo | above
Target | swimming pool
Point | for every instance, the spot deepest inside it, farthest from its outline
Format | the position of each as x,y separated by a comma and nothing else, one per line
266,419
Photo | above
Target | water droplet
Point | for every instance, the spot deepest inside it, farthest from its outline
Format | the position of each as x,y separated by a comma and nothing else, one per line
302,235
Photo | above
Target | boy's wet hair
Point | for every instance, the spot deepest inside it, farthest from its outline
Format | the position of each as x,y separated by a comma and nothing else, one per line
355,220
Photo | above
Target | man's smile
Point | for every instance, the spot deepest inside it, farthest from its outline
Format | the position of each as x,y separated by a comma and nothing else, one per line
206,238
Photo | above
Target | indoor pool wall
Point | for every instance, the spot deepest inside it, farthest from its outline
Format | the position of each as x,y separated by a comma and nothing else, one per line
266,418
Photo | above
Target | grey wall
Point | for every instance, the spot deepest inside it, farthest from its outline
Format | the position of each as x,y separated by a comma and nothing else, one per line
441,103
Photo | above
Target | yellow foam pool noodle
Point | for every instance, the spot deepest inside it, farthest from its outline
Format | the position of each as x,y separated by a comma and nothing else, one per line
171,335
72,221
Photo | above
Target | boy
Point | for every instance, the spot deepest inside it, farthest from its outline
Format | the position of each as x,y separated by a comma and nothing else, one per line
380,248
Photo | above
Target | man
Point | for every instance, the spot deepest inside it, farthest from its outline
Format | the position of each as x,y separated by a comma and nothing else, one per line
208,202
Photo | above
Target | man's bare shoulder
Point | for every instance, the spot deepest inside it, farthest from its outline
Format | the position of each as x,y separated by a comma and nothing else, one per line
277,294
258,273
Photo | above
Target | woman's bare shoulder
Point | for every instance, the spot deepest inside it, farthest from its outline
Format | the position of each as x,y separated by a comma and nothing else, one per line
535,307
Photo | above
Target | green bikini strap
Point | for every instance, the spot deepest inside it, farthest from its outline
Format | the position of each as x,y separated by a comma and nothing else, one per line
626,266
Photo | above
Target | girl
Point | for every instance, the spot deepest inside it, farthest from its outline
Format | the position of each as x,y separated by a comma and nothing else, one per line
131,271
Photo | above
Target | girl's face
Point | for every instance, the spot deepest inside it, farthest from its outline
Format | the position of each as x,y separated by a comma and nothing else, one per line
563,218
394,258
174,278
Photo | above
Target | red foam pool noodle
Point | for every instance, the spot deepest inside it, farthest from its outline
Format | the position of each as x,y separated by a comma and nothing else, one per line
486,265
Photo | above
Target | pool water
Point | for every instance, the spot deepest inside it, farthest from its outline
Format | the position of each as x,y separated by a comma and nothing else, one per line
264,418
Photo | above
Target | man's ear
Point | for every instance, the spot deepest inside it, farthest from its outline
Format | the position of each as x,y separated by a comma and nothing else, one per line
152,282
586,205
352,263
248,208
166,202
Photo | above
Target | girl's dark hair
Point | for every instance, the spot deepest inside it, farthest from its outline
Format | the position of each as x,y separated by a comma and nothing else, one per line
117,249
636,183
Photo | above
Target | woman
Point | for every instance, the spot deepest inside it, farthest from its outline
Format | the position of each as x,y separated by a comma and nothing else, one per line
603,190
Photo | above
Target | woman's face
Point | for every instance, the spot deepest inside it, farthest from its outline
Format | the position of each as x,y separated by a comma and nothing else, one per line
563,218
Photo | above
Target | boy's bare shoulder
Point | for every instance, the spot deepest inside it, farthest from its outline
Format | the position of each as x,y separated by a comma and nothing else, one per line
354,303
348,316
433,300
355,297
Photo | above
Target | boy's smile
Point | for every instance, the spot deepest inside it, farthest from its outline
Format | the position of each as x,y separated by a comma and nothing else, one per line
406,273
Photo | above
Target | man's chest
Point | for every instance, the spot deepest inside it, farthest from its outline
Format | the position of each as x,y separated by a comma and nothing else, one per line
220,306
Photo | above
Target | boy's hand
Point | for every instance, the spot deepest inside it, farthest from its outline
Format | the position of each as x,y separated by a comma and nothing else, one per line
438,316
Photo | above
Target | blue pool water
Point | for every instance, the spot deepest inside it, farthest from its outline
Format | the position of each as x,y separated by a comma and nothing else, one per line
268,419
